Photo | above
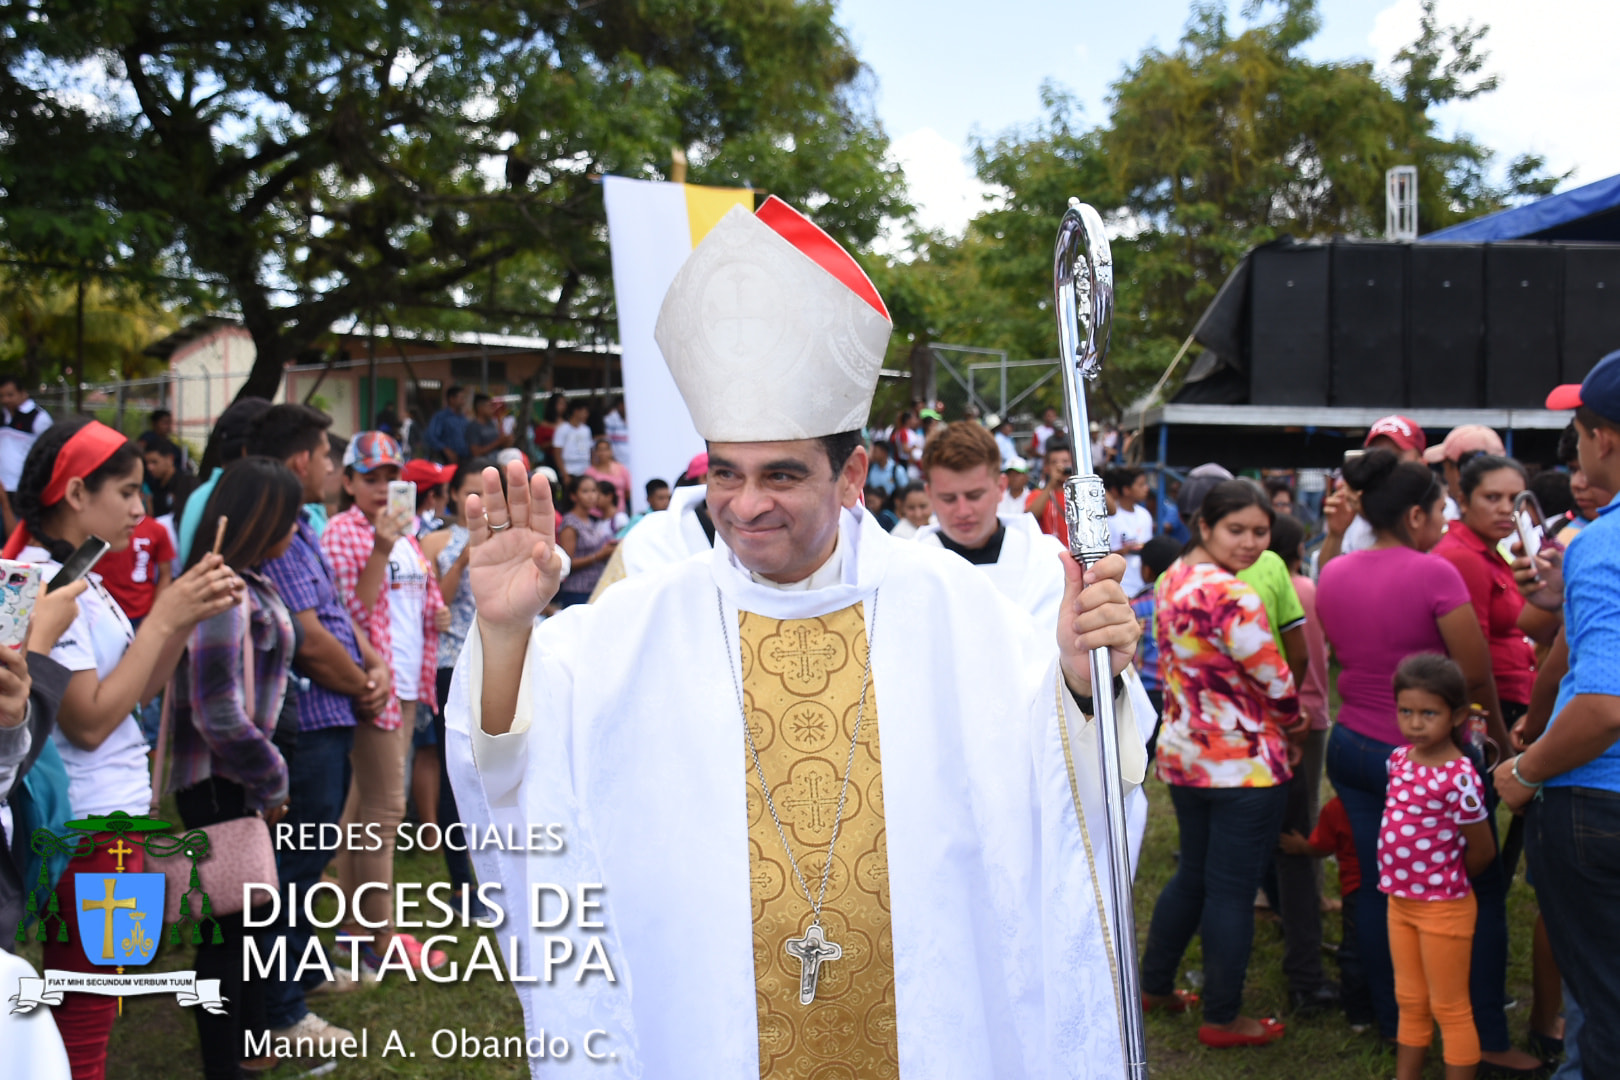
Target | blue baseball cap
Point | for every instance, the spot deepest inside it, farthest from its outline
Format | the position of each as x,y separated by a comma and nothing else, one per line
1599,391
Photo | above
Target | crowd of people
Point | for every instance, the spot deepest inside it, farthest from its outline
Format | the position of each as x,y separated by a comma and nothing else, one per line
292,629
1417,592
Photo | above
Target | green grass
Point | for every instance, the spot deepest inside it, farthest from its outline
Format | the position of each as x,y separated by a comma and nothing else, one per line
155,1039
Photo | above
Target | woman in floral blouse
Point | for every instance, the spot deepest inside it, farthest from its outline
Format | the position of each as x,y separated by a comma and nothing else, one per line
1226,749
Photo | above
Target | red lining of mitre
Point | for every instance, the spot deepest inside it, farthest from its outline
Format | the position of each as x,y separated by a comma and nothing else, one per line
823,250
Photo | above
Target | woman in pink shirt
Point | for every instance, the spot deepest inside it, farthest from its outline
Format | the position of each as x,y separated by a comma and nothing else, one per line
605,469
1377,607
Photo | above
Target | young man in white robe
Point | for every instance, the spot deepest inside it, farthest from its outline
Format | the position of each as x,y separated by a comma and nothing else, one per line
960,468
825,848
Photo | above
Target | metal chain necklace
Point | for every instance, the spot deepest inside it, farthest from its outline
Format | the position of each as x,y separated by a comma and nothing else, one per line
813,949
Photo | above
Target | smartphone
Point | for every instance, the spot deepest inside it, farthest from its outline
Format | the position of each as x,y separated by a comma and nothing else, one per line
80,563
1529,522
401,498
19,588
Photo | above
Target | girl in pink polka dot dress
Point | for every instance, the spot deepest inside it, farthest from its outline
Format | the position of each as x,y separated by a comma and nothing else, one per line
1433,838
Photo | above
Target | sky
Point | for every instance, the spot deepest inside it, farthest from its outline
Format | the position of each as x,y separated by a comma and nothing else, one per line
948,70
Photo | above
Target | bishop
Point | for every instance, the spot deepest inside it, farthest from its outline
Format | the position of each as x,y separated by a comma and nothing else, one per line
833,785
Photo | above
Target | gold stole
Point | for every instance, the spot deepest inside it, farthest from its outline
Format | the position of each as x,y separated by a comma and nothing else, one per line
802,689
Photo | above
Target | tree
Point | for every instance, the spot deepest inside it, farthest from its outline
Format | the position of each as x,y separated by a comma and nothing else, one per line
410,162
56,325
1226,142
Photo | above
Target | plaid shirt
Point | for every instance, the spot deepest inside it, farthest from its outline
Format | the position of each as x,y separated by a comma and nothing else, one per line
348,543
217,732
305,582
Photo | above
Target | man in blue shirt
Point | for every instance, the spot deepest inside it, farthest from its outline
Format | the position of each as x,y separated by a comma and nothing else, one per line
447,431
1568,782
231,433
345,681
882,472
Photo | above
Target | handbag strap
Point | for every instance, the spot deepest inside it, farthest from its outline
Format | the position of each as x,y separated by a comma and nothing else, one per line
160,753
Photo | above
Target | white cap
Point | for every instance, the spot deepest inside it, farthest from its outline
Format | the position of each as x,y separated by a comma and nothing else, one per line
772,331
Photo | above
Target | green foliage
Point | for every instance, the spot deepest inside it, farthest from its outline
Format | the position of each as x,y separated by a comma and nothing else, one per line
44,330
410,163
1228,141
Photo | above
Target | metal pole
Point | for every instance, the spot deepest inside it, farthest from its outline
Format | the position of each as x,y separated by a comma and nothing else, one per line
1083,280
1164,463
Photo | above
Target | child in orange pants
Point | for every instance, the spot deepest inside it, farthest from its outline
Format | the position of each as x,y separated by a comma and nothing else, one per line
1432,838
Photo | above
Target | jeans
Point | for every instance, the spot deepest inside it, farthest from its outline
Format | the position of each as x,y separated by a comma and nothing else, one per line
1299,895
1227,839
1487,982
1571,1068
1352,979
1358,767
1572,839
457,863
318,783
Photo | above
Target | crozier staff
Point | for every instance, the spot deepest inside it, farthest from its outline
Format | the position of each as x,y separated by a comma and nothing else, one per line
878,835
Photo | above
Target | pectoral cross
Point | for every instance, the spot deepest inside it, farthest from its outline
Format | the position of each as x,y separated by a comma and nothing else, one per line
109,905
812,950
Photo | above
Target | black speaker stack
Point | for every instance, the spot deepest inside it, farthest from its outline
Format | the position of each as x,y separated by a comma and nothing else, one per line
1495,325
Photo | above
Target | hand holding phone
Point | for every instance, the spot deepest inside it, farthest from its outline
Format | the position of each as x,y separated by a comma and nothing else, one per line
53,614
19,591
80,563
1529,522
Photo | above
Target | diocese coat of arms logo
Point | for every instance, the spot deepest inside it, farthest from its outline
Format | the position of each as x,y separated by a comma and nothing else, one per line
120,917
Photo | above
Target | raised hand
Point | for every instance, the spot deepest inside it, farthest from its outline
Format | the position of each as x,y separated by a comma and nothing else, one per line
1540,577
206,590
1095,614
388,530
514,568
54,612
1340,510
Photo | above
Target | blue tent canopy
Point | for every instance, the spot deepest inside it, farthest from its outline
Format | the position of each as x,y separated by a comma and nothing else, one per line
1590,212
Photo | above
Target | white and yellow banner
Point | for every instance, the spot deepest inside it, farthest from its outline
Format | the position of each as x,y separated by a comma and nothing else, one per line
652,227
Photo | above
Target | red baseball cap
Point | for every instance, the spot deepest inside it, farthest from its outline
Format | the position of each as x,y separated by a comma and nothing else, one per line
424,473
1400,430
1599,391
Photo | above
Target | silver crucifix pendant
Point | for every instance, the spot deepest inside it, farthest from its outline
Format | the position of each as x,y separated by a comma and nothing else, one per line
812,950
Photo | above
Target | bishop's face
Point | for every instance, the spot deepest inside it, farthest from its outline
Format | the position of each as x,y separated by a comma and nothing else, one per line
777,503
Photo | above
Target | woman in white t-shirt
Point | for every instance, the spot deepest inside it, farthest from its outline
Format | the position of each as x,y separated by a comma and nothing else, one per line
83,479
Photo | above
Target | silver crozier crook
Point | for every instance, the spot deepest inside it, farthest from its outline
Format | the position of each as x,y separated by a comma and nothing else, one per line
1083,276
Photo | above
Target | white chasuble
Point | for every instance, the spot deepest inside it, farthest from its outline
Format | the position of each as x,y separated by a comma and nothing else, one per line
1028,573
630,737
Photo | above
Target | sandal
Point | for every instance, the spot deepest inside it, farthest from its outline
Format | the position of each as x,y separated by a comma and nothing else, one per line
1220,1039
1546,1047
1176,1002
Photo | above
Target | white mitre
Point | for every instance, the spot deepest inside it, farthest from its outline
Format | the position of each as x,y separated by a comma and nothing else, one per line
772,331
